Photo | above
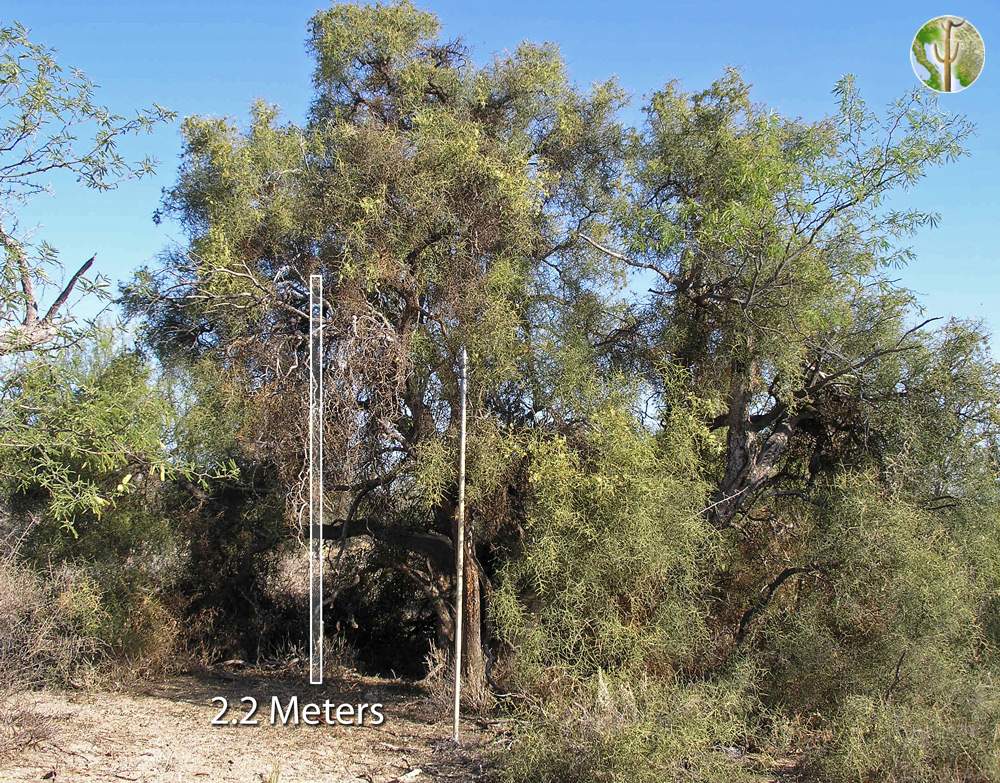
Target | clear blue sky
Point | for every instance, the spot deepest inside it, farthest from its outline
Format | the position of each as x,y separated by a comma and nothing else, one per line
216,56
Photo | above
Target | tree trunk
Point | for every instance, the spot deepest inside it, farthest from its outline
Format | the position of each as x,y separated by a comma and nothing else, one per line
436,550
473,660
751,459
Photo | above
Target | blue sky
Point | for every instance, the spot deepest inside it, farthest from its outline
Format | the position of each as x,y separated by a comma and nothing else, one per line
215,57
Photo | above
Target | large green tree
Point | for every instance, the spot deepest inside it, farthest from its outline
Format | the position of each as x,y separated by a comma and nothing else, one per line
769,246
428,193
849,450
731,493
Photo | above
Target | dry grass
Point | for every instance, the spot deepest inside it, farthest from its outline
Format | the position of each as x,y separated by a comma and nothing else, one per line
21,729
439,684
39,643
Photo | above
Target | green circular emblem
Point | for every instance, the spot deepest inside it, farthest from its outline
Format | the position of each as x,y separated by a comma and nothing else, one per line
947,54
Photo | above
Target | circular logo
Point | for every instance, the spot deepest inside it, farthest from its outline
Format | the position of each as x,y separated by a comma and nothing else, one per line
947,54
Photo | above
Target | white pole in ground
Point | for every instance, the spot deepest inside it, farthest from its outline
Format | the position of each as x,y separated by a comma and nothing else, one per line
316,479
460,546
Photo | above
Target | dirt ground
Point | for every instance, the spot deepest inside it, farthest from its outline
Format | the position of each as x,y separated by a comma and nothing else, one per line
163,733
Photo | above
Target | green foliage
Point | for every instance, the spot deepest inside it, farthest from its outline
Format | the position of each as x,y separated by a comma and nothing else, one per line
616,547
427,191
729,499
850,576
773,230
82,432
84,425
45,108
604,611
84,468
357,47
887,640
949,736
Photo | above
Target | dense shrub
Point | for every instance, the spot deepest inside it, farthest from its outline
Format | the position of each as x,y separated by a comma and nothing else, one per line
623,729
608,578
47,620
873,661
883,640
945,735
606,619
48,625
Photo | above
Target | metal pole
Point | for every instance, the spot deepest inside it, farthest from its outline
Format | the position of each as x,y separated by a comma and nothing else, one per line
460,546
316,479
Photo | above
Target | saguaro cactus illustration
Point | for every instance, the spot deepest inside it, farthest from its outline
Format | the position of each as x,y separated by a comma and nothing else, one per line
949,56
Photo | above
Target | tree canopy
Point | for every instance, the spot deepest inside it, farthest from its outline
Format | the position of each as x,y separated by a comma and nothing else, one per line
732,494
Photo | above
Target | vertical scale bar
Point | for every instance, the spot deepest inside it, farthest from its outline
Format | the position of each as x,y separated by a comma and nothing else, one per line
460,547
315,480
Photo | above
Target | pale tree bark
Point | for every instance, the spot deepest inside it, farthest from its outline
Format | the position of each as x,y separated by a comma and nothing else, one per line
473,660
757,443
752,456
26,331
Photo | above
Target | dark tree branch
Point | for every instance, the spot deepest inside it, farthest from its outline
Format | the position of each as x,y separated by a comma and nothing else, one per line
761,603
896,676
436,546
53,311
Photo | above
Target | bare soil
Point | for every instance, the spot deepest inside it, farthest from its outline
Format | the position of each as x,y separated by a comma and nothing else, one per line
163,732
